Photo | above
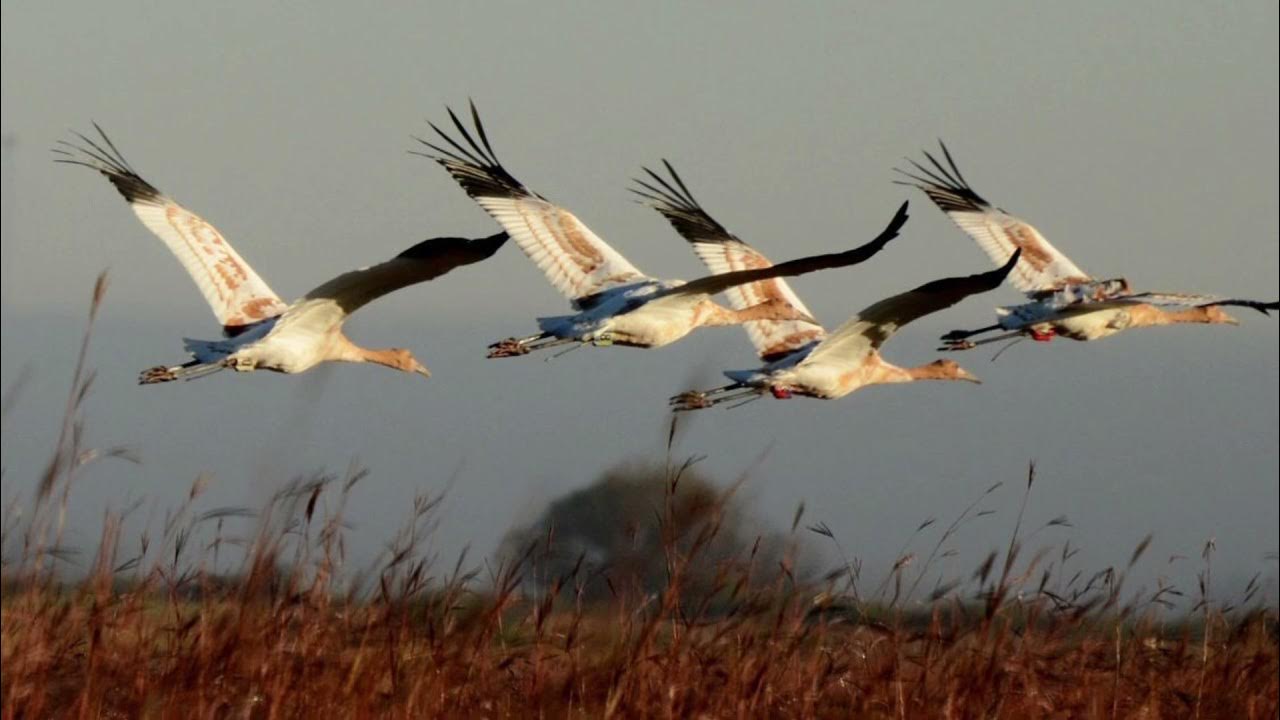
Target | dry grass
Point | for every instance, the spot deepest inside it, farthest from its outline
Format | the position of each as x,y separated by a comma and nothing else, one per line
152,631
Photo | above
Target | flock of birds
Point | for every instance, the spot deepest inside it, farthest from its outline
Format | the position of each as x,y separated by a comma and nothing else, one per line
614,303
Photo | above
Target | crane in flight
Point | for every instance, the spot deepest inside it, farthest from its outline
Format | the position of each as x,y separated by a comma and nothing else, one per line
614,303
802,358
1063,300
261,331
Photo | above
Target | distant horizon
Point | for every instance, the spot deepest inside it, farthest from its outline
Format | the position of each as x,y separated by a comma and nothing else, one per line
1176,563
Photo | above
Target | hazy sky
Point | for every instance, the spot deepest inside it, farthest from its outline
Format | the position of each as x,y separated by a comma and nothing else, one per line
1140,138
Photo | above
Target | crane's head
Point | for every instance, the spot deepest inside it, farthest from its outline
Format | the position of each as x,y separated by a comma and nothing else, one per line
411,364
944,370
1215,315
397,359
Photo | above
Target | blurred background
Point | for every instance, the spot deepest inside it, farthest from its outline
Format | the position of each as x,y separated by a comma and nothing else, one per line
1140,139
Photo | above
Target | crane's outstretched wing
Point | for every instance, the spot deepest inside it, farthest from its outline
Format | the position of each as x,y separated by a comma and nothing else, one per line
712,284
869,329
576,261
236,294
999,234
332,302
1199,300
722,252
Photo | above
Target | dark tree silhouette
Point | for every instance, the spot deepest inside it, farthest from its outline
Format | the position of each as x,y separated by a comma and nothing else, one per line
640,526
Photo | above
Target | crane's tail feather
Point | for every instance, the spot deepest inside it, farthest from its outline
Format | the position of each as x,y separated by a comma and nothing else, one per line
188,371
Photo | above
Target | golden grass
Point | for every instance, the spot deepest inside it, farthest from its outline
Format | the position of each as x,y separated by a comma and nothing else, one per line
154,632
301,654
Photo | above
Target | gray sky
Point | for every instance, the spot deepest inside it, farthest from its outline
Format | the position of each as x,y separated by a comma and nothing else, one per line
1141,139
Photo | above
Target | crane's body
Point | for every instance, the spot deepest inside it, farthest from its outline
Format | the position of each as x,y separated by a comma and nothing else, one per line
616,303
262,332
848,358
1063,300
801,357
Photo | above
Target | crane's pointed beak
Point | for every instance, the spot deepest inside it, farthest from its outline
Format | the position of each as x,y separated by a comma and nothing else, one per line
421,369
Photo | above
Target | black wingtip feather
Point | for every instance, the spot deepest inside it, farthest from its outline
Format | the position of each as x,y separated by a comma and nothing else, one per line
943,183
991,279
103,157
487,246
679,181
857,255
476,249
891,231
950,161
673,200
475,118
942,170
1007,268
676,197
1263,307
899,218
476,168
973,284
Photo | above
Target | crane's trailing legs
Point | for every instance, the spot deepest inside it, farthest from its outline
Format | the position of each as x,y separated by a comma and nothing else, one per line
702,399
186,371
512,347
958,340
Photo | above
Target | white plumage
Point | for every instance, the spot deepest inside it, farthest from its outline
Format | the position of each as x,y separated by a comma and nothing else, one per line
722,252
263,332
802,358
1063,299
615,302
849,358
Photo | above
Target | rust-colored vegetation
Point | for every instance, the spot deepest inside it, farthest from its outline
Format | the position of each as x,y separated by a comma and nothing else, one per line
674,612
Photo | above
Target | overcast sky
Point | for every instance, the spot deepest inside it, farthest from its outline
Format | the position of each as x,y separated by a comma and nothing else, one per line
1140,138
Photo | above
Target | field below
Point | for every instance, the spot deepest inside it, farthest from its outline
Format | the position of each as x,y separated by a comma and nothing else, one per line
647,594
95,652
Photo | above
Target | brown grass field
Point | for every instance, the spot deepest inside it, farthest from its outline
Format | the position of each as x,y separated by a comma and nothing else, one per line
149,630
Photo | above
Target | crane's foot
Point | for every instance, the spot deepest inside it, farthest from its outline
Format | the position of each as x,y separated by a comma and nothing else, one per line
691,400
186,371
959,339
158,374
510,347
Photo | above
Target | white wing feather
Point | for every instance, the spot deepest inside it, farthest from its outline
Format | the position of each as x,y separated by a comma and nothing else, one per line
722,252
235,293
1043,267
574,259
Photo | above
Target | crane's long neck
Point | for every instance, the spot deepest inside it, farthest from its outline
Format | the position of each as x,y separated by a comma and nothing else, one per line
937,370
394,358
386,357
873,370
1152,315
890,373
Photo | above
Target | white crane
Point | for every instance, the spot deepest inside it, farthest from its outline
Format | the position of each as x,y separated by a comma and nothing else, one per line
260,330
802,359
1063,299
616,304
